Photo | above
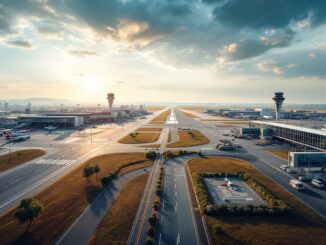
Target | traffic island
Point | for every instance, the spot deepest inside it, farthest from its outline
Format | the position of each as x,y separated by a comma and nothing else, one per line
153,220
189,138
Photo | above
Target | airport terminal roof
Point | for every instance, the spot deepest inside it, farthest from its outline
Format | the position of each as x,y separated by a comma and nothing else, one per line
299,128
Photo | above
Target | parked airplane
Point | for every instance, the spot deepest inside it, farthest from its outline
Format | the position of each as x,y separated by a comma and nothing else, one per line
16,137
50,128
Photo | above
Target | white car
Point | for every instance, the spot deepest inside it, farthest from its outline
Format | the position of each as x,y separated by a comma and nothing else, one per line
317,183
296,184
284,167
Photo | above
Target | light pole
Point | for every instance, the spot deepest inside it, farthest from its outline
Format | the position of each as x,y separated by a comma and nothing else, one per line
91,134
9,148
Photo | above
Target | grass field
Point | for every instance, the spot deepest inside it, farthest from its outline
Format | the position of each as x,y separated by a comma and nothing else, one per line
303,226
19,157
195,108
154,108
283,154
140,138
161,118
186,139
187,114
64,201
149,129
116,226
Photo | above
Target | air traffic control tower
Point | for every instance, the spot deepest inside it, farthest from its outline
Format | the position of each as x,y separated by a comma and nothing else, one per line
278,98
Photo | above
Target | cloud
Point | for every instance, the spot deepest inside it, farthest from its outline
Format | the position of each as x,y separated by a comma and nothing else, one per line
269,66
82,53
267,14
21,43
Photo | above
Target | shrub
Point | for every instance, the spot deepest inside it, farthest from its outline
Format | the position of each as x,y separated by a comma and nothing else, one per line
218,230
151,232
152,220
149,242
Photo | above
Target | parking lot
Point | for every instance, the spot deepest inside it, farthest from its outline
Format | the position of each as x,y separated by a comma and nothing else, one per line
240,194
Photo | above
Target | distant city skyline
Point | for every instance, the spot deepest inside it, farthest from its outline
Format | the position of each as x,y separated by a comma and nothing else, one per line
161,51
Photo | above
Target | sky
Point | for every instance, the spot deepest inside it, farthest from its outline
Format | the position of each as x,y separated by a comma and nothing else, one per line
206,51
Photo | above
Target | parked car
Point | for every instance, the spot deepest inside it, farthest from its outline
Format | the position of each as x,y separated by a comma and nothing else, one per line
303,178
296,184
284,167
317,183
291,170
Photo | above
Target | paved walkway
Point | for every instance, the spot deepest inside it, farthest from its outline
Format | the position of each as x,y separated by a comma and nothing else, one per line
86,224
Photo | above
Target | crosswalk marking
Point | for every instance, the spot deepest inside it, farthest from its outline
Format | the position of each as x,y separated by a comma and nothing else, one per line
55,161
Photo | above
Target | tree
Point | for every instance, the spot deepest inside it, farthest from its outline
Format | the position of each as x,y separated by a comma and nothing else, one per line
96,170
27,211
88,172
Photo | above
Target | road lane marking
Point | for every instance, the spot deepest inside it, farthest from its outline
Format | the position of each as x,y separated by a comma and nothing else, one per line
178,238
176,207
159,241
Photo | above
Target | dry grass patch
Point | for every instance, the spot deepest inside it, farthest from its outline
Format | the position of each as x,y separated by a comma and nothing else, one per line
197,109
149,129
154,108
283,154
302,226
161,118
64,201
140,138
187,114
116,226
19,157
189,138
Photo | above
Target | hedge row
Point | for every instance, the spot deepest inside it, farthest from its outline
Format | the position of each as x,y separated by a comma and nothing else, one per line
171,154
247,210
106,179
201,191
153,219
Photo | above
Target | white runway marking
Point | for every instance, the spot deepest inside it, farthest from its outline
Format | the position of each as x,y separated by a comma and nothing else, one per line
56,161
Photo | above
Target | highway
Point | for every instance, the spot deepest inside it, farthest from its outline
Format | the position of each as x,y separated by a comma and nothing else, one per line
177,223
63,156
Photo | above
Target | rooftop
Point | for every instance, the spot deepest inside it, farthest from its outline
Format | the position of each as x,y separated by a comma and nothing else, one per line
283,125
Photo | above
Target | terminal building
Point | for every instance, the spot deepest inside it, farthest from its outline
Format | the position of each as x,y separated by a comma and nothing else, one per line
312,138
307,159
57,121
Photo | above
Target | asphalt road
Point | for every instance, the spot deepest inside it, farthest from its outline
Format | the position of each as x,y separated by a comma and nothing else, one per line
63,156
177,224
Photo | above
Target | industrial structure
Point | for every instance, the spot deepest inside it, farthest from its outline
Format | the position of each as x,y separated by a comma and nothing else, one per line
278,98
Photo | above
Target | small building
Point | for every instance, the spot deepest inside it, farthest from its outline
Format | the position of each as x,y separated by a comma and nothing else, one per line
307,159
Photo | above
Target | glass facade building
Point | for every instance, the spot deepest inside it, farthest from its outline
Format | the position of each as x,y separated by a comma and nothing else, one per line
300,135
307,159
